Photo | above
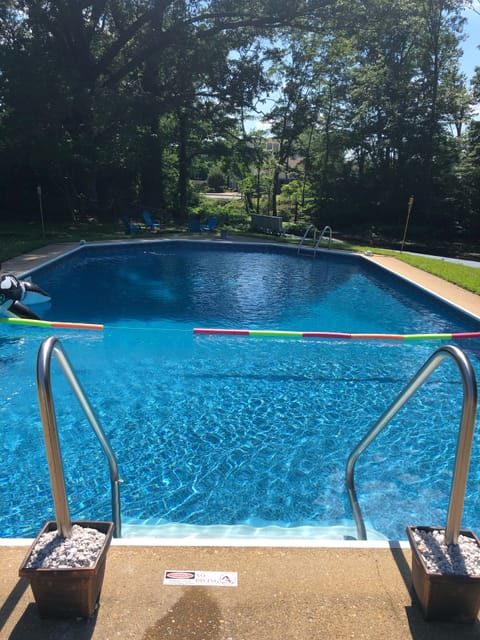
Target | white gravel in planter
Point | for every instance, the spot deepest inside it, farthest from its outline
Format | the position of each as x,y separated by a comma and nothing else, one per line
461,559
56,552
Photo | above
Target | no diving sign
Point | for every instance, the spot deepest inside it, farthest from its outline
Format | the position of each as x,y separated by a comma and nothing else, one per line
201,578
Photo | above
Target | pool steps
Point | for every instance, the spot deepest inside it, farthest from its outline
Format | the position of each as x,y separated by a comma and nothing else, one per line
52,346
240,534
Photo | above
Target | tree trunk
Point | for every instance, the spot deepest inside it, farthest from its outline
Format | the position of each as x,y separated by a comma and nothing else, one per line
152,178
183,165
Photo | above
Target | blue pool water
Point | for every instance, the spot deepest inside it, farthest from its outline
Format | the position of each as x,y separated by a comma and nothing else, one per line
228,430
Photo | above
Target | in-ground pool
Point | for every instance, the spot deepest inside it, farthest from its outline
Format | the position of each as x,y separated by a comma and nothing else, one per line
231,430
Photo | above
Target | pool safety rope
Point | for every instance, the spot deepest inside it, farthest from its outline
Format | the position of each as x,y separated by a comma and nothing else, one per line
267,333
257,333
50,324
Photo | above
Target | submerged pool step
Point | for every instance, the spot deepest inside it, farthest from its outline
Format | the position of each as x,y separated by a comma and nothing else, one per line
242,534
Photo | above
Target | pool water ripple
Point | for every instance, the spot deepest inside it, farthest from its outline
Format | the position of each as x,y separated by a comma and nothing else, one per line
234,430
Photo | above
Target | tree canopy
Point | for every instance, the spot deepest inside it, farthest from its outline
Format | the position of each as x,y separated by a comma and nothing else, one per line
110,103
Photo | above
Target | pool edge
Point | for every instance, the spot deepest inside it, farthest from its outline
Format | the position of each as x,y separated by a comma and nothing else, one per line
236,543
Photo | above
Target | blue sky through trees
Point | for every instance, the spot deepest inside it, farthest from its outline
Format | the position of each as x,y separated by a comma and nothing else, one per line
471,52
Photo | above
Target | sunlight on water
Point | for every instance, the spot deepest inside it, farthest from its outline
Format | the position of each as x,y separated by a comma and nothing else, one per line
229,430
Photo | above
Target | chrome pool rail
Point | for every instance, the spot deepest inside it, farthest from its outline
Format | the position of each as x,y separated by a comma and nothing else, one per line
315,240
49,347
464,443
320,238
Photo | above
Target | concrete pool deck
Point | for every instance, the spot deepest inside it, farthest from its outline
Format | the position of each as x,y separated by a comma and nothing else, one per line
330,592
451,292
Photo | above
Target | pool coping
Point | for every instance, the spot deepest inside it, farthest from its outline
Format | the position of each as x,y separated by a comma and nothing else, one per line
448,292
280,542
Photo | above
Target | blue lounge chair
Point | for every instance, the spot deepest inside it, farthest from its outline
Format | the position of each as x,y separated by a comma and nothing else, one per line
130,227
194,225
210,226
152,225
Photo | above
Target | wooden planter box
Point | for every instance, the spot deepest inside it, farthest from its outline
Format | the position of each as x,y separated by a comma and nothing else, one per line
454,598
68,593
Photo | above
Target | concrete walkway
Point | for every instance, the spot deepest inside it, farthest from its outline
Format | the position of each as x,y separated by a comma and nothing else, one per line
28,261
282,593
451,292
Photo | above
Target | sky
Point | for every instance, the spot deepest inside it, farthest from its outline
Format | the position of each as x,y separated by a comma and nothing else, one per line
471,53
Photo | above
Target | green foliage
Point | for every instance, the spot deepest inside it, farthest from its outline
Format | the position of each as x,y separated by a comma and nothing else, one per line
216,179
229,213
296,200
108,112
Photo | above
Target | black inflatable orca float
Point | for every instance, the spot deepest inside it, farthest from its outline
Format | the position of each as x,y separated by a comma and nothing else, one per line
14,293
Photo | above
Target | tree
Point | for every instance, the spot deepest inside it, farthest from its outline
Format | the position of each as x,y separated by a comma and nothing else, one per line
111,102
396,83
103,76
292,63
441,21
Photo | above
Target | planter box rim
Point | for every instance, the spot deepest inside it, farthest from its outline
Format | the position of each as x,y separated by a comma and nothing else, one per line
68,592
103,526
443,596
460,577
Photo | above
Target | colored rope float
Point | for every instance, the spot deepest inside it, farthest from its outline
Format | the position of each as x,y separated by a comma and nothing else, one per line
51,325
267,333
260,333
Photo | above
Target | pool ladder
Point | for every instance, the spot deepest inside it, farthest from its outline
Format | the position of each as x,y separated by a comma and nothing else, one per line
464,444
52,346
316,241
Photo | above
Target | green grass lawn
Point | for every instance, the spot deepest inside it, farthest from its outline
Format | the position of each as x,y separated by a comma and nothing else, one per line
462,275
15,240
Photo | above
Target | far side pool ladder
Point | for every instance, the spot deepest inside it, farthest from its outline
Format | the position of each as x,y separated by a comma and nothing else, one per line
316,240
464,443
49,347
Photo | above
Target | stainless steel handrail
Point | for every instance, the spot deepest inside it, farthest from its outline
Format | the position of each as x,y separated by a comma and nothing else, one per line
47,412
310,226
315,241
464,444
324,230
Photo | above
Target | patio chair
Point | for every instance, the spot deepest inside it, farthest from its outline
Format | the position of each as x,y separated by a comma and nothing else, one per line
194,225
130,227
210,226
152,225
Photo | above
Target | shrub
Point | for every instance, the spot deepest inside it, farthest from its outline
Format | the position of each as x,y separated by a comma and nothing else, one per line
216,179
229,213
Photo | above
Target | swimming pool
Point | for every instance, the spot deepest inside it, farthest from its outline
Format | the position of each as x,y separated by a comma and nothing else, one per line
227,430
